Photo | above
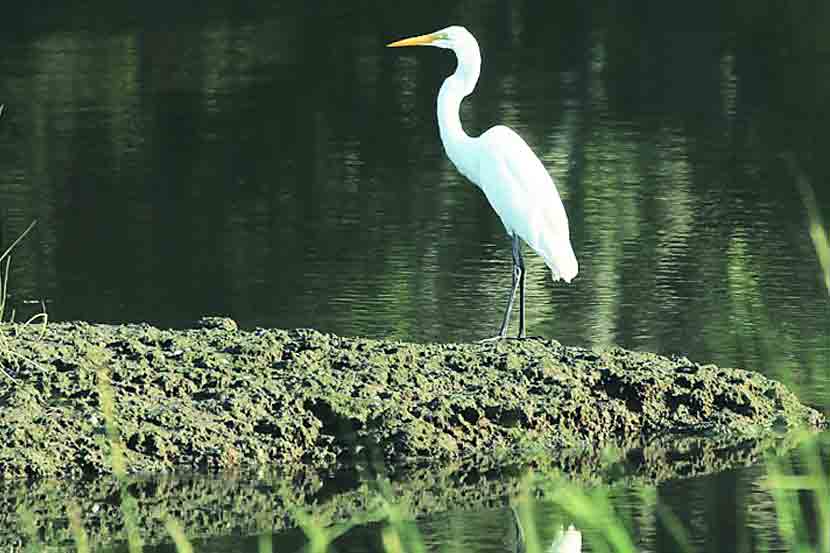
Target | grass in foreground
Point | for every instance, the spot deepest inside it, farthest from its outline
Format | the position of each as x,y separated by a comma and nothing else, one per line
4,274
817,230
6,353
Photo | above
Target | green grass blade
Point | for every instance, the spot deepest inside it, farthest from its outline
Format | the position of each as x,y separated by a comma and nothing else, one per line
17,240
129,507
174,528
78,530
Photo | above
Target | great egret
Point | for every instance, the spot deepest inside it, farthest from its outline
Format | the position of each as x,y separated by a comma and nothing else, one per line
504,167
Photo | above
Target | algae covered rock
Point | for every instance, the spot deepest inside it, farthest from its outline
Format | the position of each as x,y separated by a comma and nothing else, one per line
220,397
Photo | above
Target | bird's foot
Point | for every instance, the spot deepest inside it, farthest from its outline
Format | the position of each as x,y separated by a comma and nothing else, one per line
500,337
494,339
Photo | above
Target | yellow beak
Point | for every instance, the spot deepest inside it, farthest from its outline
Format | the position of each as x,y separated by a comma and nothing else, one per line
422,40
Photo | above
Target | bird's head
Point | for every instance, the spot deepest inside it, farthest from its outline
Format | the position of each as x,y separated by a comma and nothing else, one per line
463,43
453,38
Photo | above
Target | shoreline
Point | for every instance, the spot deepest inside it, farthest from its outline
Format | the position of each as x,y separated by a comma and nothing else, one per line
217,397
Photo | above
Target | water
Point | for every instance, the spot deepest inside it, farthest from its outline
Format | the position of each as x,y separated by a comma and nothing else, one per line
274,163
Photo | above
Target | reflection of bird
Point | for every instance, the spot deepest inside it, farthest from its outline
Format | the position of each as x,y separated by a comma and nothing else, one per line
504,167
564,541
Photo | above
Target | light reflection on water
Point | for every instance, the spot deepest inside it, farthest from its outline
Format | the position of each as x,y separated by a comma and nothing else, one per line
278,165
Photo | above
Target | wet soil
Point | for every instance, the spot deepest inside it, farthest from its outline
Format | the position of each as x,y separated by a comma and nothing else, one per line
219,397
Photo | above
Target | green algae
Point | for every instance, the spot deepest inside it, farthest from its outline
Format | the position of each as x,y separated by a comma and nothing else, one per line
219,397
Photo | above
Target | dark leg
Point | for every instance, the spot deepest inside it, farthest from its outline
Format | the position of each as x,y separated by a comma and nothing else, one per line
516,278
514,286
519,261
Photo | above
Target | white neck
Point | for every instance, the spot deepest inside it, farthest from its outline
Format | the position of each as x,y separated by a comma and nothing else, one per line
455,88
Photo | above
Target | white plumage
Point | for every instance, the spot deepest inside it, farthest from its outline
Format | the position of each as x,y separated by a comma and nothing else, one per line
524,196
501,163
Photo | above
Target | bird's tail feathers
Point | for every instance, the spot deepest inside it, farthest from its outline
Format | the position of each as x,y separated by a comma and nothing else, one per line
559,257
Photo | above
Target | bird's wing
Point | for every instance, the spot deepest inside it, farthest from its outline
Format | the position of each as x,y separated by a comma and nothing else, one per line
523,194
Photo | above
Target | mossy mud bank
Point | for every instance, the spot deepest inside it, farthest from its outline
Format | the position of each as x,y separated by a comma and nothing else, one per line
219,397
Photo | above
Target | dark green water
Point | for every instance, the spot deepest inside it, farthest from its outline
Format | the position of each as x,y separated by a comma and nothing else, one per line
273,162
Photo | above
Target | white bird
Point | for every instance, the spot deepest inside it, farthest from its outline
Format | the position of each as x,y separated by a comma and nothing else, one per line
504,167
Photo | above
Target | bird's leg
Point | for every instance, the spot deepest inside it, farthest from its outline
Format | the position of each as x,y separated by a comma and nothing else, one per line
519,262
506,321
517,274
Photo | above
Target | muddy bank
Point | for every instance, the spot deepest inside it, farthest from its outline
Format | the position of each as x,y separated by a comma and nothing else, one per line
219,397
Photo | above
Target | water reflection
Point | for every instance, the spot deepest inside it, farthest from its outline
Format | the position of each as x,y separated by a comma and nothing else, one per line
462,506
564,540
